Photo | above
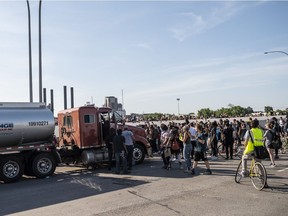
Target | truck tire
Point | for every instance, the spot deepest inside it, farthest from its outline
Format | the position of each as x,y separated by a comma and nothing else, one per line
138,154
11,169
43,165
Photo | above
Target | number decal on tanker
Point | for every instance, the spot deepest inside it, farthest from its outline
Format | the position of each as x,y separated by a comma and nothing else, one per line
38,123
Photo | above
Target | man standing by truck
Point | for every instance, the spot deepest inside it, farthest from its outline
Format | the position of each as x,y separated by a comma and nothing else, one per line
120,151
129,142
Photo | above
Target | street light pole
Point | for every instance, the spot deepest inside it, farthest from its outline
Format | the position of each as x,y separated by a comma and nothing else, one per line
30,55
40,54
178,99
276,52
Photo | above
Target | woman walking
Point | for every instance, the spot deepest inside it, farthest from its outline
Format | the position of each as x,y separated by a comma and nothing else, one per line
187,148
268,135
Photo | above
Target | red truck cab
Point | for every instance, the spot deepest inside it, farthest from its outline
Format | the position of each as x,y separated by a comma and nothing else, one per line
82,133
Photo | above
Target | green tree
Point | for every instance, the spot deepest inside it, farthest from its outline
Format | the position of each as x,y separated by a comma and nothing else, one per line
249,110
205,113
268,109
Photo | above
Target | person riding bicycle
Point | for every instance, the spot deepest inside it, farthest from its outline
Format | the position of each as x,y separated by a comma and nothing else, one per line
253,137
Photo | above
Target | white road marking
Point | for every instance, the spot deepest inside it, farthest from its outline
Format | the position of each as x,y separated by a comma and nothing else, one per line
282,170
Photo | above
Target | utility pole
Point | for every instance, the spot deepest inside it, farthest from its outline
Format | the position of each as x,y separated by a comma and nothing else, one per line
40,54
30,55
178,99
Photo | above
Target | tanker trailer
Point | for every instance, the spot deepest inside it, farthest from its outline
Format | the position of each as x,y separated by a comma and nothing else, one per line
26,141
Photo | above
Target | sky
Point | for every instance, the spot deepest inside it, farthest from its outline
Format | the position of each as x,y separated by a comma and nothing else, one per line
209,54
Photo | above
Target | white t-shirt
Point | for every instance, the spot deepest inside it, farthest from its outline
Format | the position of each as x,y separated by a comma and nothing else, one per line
128,137
193,133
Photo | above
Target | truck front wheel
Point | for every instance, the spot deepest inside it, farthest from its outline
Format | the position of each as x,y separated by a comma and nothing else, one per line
11,169
43,165
138,154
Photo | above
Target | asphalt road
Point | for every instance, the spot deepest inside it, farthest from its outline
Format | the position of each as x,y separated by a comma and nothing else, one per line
148,190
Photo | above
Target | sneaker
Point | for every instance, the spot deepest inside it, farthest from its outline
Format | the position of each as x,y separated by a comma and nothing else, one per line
192,172
207,172
126,172
272,165
277,157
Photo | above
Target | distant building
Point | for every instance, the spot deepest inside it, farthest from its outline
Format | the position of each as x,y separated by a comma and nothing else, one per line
112,102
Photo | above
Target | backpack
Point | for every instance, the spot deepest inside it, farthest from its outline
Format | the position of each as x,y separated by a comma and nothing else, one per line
155,134
276,141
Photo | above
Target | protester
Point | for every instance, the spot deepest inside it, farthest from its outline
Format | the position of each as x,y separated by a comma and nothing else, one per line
253,137
109,145
193,132
201,146
214,141
268,135
165,148
228,139
120,152
175,146
187,148
277,129
129,142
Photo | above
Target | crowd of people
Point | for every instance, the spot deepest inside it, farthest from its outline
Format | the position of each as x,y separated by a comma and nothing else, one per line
185,144
195,138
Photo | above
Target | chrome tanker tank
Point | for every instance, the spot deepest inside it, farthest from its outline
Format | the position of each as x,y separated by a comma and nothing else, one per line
25,124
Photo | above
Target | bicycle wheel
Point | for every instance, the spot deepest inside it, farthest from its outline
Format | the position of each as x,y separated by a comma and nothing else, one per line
238,174
239,151
221,151
258,176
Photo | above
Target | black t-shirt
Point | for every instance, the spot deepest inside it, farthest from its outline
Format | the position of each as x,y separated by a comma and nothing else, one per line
118,143
228,134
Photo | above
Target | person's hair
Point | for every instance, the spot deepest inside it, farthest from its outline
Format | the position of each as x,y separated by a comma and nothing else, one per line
119,131
186,128
199,127
255,123
269,125
164,127
214,124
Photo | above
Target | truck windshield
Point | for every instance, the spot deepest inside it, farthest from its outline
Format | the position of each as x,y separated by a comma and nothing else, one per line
67,121
115,116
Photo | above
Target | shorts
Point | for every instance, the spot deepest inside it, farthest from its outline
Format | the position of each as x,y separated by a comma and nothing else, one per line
200,156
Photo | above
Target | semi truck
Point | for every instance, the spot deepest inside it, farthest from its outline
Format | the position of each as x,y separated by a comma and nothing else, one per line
82,133
29,145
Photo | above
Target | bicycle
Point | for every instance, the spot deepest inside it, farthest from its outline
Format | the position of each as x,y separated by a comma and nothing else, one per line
257,174
237,150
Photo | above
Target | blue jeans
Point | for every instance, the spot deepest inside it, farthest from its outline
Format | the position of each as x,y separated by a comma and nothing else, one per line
187,149
130,149
120,159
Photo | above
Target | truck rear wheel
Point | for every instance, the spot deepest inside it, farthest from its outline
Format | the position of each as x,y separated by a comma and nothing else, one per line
138,154
43,165
11,169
